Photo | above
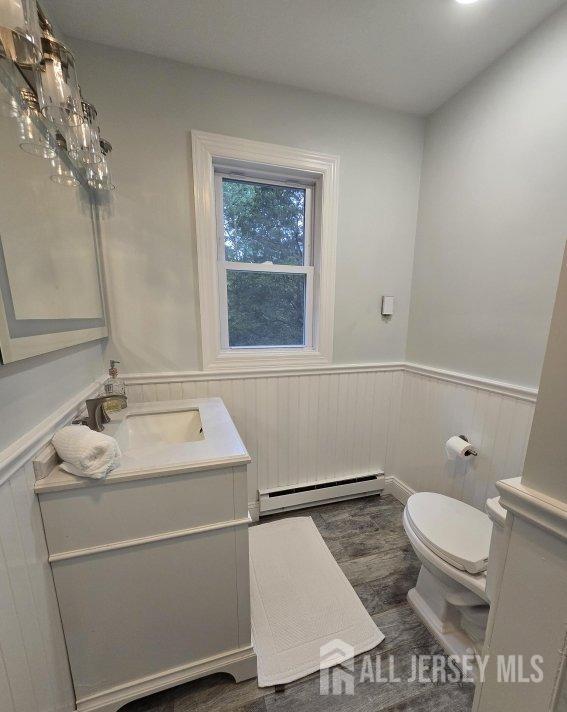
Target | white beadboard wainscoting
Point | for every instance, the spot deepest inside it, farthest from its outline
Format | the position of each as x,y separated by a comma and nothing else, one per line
496,418
324,423
301,426
34,671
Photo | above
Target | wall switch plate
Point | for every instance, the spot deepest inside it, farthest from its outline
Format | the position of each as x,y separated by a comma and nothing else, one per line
387,306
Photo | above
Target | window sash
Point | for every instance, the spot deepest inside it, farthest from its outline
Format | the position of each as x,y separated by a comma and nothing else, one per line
223,265
308,257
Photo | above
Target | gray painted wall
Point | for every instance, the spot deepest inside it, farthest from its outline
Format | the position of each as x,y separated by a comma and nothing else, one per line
493,216
30,390
147,107
545,469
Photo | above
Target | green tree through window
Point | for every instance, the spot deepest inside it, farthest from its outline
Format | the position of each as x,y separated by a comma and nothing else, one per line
264,223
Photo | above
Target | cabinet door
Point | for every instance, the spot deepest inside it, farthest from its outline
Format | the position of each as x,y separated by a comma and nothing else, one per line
135,612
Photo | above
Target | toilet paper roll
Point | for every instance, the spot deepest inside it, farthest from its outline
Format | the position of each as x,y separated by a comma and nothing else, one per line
456,447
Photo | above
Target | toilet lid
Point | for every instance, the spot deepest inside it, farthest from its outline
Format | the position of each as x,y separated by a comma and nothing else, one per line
455,531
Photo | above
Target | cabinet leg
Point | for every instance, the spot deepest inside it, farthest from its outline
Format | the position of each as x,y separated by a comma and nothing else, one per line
242,670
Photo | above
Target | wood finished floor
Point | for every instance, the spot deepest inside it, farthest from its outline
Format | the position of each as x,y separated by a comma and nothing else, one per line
366,537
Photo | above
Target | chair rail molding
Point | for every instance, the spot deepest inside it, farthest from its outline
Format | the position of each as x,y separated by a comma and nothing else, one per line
22,450
479,382
532,506
134,379
519,392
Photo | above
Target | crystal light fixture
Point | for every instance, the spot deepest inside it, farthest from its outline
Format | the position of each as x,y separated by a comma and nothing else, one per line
56,81
62,174
37,82
19,31
98,175
32,139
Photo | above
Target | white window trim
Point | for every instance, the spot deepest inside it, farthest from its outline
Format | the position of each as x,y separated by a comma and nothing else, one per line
210,150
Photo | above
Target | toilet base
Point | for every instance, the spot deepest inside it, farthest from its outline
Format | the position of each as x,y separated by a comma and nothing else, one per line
455,642
433,602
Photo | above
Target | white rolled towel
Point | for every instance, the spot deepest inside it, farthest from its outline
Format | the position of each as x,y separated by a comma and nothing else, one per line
85,452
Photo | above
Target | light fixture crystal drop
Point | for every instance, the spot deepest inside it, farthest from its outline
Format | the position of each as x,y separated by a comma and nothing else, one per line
84,144
11,106
98,175
32,139
19,31
62,174
56,82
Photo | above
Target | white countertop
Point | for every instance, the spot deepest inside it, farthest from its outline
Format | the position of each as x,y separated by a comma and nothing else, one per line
221,447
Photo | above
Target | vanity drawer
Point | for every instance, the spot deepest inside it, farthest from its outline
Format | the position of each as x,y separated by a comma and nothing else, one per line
104,514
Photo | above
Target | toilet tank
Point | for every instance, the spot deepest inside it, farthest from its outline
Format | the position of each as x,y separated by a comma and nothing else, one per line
497,553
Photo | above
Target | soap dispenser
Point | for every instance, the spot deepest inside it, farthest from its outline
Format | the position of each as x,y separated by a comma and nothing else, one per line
114,390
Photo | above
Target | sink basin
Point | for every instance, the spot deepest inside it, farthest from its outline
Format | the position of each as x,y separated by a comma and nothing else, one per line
148,429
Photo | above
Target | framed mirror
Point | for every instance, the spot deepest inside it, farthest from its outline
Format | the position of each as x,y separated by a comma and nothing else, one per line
51,294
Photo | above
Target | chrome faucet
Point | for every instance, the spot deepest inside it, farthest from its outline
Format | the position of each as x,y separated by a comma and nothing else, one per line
96,414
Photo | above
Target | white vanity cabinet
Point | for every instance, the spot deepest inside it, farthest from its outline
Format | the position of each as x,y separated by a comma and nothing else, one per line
151,567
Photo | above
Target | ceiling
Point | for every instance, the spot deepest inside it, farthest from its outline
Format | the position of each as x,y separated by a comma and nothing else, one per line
410,55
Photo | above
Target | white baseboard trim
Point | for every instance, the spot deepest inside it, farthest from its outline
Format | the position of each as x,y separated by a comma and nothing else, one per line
392,485
241,664
398,488
22,450
254,511
281,499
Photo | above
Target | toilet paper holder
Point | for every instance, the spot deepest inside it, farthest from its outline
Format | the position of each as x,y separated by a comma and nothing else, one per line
470,451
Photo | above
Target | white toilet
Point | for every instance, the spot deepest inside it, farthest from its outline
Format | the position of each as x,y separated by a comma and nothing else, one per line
458,547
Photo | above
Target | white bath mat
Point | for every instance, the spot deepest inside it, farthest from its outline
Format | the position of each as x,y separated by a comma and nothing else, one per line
301,600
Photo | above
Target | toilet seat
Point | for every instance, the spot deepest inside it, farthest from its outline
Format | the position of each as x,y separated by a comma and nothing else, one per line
456,532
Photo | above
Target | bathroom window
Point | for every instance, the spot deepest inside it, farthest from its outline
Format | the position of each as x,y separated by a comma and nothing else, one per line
266,232
265,262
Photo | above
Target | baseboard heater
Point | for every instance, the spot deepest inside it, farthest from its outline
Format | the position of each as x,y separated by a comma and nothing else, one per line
303,495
